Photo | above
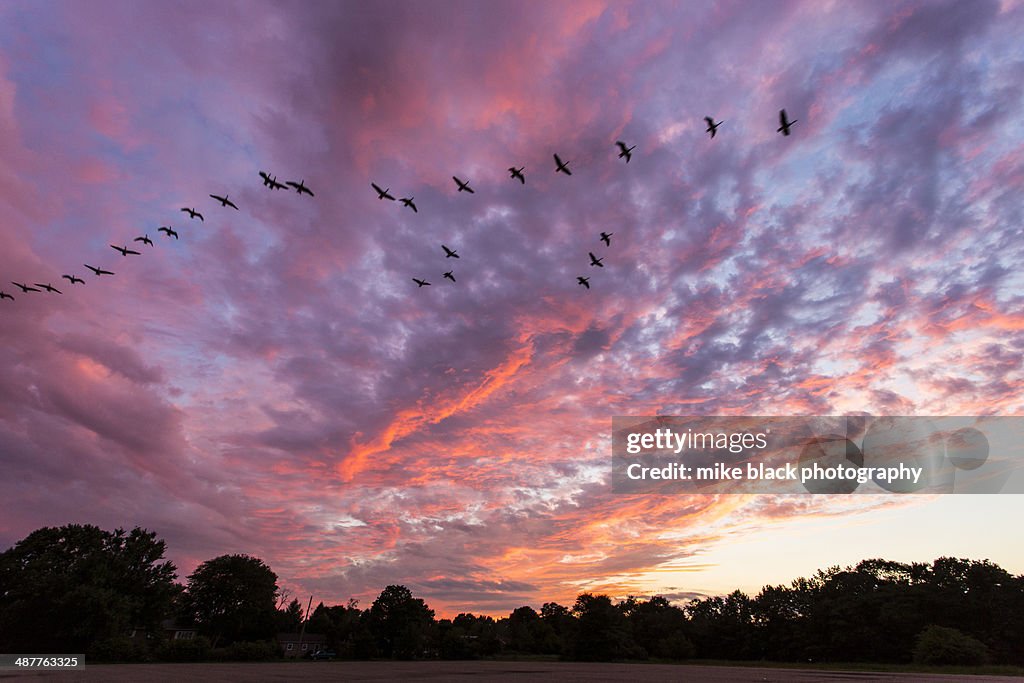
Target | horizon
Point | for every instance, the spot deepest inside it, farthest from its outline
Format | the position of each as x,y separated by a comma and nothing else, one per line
273,382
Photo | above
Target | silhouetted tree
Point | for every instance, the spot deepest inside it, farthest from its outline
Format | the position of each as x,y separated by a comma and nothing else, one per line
723,627
87,589
873,611
232,597
658,627
345,630
400,623
529,632
941,645
521,627
780,616
561,622
289,619
79,585
468,637
603,633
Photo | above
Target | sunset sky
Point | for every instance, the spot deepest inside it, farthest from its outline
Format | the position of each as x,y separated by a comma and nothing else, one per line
274,383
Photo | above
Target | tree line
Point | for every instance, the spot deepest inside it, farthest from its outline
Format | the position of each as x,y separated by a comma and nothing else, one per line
79,588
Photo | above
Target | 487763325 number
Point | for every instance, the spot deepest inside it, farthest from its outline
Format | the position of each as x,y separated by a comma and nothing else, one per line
37,661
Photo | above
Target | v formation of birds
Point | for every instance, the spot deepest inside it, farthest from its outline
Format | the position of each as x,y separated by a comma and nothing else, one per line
271,182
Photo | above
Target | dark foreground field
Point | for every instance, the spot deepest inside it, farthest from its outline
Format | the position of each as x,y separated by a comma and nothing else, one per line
462,671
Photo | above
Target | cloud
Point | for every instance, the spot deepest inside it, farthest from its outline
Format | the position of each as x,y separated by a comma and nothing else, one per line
274,383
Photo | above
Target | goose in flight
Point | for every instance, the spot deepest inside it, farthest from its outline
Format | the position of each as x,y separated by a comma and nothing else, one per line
25,289
5,295
98,271
585,281
192,213
301,188
224,201
463,186
125,250
72,279
420,283
144,239
449,253
594,261
407,201
517,174
712,126
562,166
606,237
784,123
625,151
382,194
450,276
271,182
170,232
49,288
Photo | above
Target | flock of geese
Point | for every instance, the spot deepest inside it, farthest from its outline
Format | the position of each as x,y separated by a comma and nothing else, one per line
625,152
271,182
169,232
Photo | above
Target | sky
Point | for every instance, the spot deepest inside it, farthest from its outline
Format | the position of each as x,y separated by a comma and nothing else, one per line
274,383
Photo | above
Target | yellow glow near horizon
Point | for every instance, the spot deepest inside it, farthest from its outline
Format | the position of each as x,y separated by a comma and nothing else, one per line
975,527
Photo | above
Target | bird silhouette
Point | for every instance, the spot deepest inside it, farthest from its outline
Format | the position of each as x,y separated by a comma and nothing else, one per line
125,250
420,283
606,237
784,123
300,187
382,194
5,295
271,182
712,126
463,186
561,166
449,253
144,239
449,276
626,151
98,271
594,261
49,288
585,281
192,213
408,202
224,201
517,173
25,289
170,232
72,279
